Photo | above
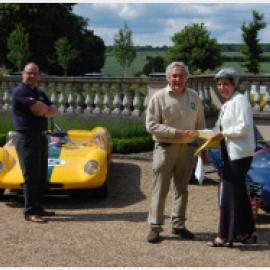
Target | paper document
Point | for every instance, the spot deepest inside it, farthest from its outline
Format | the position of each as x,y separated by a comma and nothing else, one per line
199,171
203,134
206,134
211,142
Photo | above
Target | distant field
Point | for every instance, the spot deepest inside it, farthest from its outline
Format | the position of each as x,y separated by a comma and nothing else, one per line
113,68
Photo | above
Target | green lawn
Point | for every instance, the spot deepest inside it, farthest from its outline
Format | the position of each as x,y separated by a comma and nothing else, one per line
114,69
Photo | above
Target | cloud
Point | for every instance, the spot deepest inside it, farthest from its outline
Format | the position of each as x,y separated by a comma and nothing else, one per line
156,23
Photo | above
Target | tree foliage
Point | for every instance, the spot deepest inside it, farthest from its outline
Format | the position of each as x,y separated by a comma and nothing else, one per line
123,48
18,46
154,64
46,23
194,46
65,53
251,49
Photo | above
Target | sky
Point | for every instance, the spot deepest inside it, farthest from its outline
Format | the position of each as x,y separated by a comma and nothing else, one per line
155,23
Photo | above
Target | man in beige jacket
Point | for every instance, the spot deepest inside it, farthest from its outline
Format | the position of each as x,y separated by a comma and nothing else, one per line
173,116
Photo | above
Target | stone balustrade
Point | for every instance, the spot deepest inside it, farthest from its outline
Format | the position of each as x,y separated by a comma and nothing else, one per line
87,96
128,97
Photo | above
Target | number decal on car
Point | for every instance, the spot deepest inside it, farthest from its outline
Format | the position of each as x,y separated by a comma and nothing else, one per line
52,162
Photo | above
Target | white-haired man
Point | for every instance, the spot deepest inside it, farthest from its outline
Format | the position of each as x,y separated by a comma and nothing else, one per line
173,116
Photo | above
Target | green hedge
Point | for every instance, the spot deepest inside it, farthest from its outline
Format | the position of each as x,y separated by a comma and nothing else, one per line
132,145
128,135
3,139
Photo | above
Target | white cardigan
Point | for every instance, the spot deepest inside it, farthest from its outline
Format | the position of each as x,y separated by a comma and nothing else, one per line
236,120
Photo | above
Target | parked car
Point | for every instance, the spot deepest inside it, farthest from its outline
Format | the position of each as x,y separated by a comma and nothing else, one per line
96,74
78,160
258,176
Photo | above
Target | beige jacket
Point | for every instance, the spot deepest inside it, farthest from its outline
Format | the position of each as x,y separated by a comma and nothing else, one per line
167,111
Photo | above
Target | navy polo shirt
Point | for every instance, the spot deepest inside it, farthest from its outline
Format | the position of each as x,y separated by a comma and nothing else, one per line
23,97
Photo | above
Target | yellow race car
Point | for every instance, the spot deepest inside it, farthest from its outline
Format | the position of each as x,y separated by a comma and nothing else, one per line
78,162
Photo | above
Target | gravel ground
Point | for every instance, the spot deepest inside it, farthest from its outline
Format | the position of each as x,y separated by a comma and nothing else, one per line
92,233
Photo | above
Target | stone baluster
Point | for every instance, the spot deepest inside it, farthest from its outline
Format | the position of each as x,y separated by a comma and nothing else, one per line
126,101
97,99
79,100
6,100
247,90
137,102
89,99
62,98
117,101
267,99
200,91
262,95
71,100
12,85
207,99
145,104
255,97
54,95
107,100
7,97
78,103
1,94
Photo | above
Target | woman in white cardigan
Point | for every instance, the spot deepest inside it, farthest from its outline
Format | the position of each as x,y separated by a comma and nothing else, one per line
235,126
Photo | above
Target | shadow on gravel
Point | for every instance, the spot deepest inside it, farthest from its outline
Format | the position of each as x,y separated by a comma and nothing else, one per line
206,182
125,216
263,218
123,185
199,237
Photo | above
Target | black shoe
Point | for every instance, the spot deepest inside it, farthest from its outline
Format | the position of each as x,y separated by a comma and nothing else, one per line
153,236
35,218
183,233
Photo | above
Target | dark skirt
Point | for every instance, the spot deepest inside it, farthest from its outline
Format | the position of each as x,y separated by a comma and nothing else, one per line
235,209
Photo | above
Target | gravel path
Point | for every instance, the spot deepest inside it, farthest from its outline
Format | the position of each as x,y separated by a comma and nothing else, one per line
88,232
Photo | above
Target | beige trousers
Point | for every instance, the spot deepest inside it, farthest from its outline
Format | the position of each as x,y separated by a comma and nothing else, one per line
170,161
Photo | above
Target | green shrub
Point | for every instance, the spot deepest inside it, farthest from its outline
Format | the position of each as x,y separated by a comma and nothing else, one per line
117,126
2,139
128,135
6,123
132,145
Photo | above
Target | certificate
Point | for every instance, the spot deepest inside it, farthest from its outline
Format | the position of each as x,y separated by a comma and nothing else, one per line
211,141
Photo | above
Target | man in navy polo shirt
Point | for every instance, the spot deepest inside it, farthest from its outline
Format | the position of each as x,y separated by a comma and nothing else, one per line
31,109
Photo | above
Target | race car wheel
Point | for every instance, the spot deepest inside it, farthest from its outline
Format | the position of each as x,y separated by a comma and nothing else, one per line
2,190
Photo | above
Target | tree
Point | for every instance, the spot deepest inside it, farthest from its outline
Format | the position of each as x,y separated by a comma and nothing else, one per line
251,48
46,23
123,48
154,64
18,46
194,46
65,53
